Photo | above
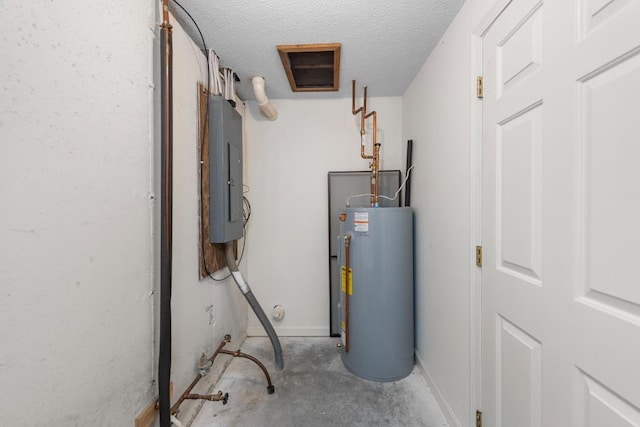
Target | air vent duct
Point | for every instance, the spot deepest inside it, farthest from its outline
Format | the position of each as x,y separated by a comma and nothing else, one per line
311,67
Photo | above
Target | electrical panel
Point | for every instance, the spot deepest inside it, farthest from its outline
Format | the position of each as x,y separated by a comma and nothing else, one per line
225,171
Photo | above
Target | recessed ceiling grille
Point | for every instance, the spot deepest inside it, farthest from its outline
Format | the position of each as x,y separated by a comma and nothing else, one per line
311,67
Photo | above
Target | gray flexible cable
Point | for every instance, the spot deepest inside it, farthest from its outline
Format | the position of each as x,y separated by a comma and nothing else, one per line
253,302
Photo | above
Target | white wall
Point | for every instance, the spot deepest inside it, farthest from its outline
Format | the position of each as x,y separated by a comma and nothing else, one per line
287,165
437,116
203,311
75,212
78,233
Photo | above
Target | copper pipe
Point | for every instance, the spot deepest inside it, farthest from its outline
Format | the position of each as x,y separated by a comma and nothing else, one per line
376,175
353,99
165,13
363,111
227,338
363,115
347,242
372,188
364,156
375,156
363,127
375,123
166,84
214,398
176,406
238,353
375,165
210,397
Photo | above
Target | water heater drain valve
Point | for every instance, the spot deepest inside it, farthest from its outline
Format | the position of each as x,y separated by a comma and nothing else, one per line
278,312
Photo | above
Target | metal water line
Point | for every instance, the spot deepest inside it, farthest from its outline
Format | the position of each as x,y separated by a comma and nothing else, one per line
375,164
187,395
375,156
407,189
219,396
347,245
166,222
238,353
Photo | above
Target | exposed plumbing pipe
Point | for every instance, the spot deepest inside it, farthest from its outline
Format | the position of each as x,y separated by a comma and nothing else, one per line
176,422
203,369
164,354
361,109
375,164
176,406
347,244
407,179
375,157
238,353
266,107
253,302
218,397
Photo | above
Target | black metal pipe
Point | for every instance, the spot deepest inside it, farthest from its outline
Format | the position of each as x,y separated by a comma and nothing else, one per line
253,302
407,188
164,354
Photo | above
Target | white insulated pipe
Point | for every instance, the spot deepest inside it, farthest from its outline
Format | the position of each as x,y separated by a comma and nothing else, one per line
266,107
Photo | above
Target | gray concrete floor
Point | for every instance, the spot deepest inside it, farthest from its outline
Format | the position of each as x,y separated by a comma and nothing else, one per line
315,389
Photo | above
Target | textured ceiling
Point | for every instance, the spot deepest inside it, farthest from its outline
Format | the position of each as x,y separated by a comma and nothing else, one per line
384,42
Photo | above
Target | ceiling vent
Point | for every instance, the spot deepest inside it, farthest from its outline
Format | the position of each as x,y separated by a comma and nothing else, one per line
311,67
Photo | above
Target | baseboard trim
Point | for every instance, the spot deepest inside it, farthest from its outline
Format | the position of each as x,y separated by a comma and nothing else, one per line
317,331
446,409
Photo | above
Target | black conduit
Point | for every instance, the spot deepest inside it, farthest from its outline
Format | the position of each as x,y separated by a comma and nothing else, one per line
253,302
407,188
164,362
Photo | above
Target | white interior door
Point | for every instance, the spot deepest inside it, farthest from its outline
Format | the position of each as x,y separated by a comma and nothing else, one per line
561,214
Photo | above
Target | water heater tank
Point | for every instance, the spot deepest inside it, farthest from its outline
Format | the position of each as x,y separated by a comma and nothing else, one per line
380,286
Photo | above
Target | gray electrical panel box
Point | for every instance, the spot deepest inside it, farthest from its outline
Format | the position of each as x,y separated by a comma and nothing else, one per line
225,171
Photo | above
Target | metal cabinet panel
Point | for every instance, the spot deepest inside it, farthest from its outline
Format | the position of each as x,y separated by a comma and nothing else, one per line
225,171
342,185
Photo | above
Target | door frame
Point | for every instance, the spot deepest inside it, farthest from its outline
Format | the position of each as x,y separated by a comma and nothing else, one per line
475,187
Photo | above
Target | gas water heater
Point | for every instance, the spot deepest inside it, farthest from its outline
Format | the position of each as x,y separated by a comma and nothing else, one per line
376,296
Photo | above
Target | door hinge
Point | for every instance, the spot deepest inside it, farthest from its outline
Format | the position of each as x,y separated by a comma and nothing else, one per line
479,87
478,256
478,419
